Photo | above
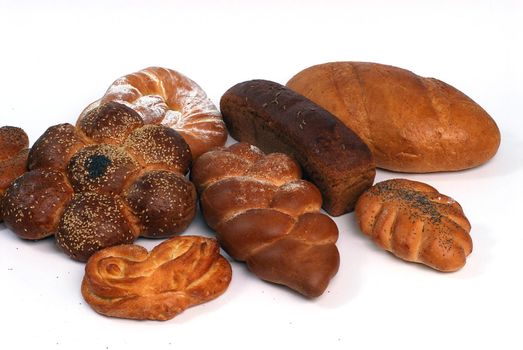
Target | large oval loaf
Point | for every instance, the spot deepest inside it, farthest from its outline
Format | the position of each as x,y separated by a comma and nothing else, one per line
277,119
411,123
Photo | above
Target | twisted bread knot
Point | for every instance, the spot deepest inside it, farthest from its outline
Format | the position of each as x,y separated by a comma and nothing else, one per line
164,96
127,281
14,148
266,215
416,223
103,183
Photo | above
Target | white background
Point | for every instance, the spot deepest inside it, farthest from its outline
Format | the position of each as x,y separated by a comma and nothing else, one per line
58,56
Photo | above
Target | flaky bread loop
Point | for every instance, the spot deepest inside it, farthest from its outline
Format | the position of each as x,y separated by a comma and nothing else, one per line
127,281
416,223
266,215
167,97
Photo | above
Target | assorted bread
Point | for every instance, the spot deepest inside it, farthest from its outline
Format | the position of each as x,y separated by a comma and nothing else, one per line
103,183
167,97
121,173
411,123
127,281
14,148
266,215
416,223
276,119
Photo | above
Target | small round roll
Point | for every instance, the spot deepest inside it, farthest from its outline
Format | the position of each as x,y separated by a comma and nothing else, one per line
110,123
155,146
92,222
163,201
33,204
55,147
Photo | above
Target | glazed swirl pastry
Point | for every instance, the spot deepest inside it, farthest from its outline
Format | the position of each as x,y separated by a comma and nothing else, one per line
416,223
14,149
266,215
164,96
103,183
126,281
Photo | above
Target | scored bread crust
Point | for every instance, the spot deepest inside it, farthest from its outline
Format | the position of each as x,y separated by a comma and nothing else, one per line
416,223
410,123
127,281
266,215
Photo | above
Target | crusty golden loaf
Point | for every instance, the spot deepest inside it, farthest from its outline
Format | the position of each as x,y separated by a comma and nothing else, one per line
410,123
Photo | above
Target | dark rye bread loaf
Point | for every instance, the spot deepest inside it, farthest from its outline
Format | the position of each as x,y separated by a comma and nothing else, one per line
277,119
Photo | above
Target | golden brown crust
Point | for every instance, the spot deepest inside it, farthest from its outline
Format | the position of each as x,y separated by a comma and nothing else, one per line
277,119
126,281
410,123
416,223
14,151
266,215
164,96
132,184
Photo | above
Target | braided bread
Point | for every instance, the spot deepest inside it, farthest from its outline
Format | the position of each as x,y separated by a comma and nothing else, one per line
164,96
266,215
277,119
103,183
14,149
127,281
416,223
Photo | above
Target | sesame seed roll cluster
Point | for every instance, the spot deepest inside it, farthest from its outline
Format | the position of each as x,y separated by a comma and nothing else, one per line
104,182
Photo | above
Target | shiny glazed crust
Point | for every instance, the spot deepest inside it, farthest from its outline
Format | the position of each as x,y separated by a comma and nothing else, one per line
103,183
266,215
127,281
416,223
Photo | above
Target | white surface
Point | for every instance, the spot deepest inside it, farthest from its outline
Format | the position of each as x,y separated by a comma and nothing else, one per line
57,57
